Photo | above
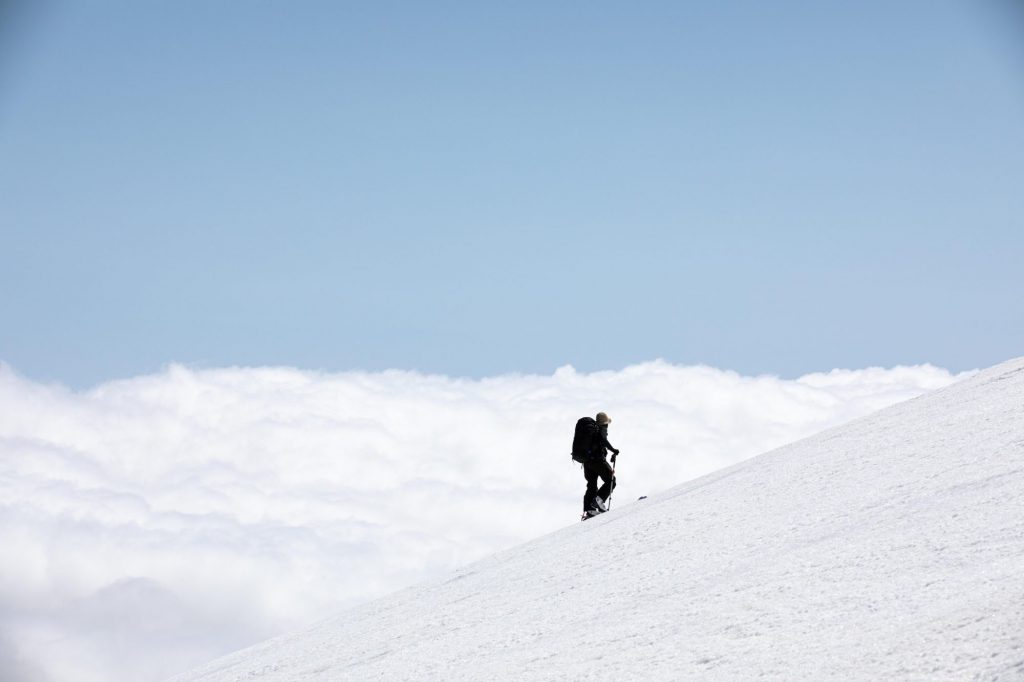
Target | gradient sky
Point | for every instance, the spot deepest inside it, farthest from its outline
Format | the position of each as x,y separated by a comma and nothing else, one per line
475,188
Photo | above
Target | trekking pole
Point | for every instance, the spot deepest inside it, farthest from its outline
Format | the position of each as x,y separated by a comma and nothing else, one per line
611,488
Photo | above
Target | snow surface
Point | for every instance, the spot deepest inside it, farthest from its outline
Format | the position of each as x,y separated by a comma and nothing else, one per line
888,548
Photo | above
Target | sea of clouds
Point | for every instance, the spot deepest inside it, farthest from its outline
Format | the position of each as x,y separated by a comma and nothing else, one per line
151,524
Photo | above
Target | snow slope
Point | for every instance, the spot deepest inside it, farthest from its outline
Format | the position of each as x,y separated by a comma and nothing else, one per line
890,547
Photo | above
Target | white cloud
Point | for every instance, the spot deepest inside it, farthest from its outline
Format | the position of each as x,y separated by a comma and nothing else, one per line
153,523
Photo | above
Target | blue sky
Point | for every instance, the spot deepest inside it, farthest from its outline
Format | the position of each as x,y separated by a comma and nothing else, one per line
474,188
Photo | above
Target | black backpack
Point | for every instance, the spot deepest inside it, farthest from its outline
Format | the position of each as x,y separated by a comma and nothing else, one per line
583,439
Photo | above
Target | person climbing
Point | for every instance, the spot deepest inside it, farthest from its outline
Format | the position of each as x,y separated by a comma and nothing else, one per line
589,447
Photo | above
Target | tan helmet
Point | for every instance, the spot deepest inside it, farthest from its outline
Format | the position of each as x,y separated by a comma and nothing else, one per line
602,418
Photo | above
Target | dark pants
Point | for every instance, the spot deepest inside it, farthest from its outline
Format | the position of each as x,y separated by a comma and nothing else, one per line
593,468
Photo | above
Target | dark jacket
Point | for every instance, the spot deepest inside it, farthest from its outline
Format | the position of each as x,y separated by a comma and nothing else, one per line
600,444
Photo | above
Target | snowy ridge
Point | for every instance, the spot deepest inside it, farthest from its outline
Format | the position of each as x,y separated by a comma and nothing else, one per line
888,548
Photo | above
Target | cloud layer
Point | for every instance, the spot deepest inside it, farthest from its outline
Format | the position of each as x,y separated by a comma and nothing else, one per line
153,523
